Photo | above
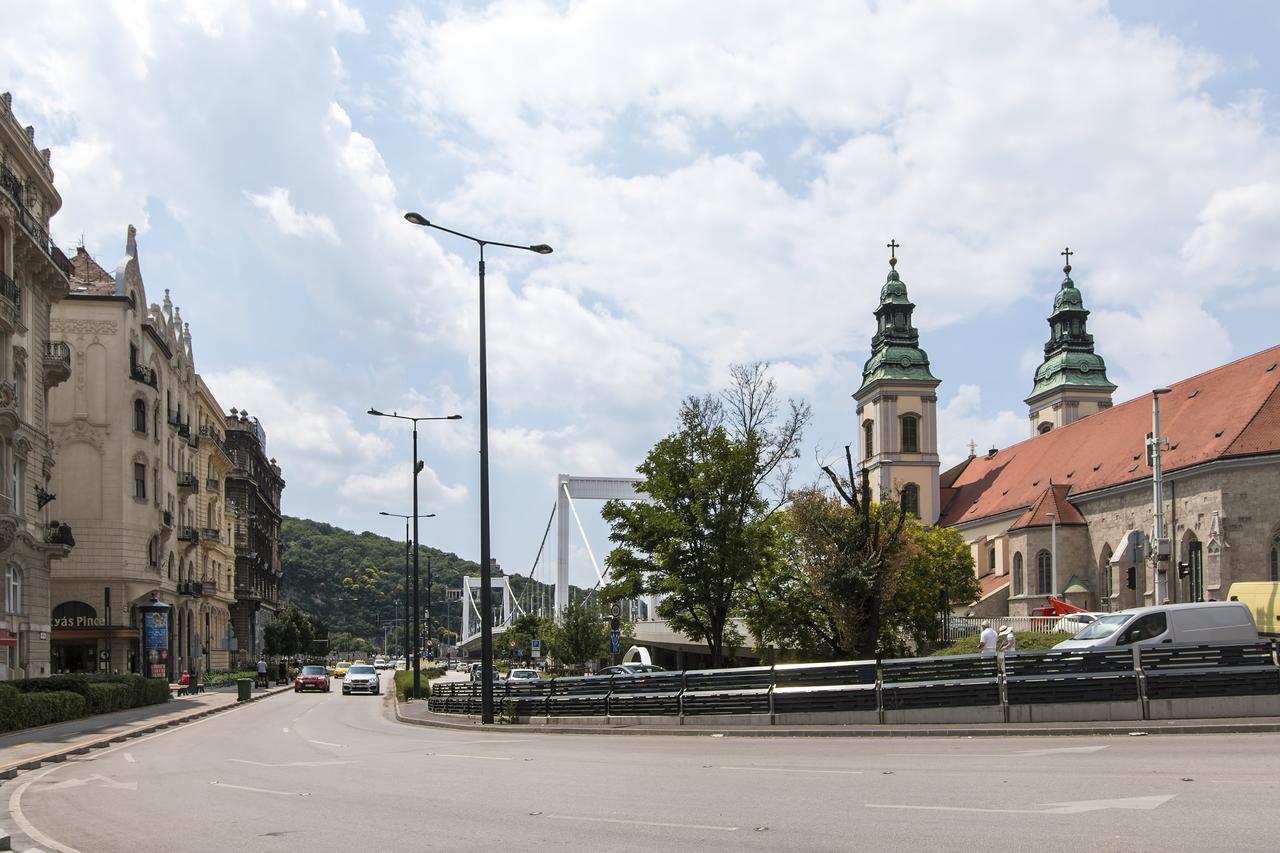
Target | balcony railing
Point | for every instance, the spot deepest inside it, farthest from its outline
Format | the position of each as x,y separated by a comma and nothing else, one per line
13,187
211,485
186,534
209,534
207,431
184,430
9,290
187,480
145,375
57,353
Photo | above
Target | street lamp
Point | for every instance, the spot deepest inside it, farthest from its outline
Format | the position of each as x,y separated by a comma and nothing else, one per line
486,575
406,578
417,467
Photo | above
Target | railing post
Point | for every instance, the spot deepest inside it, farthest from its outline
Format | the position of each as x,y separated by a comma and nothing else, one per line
879,692
608,699
1003,685
684,685
1141,679
773,682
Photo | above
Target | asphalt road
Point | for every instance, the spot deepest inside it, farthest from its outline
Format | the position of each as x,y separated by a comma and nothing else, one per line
321,773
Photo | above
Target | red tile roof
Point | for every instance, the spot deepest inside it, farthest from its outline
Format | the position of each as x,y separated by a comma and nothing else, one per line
88,278
1052,502
1233,410
992,583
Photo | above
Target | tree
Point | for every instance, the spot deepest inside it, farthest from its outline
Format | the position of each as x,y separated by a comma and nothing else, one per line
526,628
289,633
705,527
580,635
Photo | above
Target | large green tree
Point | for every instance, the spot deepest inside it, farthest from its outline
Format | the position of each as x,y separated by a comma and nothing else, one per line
289,633
706,524
580,635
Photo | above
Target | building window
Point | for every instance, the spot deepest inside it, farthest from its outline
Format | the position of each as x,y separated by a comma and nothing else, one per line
911,499
140,417
868,440
1017,573
991,559
1044,427
1044,573
15,482
910,434
12,589
170,566
153,552
139,480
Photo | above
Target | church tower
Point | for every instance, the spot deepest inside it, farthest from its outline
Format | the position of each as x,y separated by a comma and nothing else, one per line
1072,381
898,406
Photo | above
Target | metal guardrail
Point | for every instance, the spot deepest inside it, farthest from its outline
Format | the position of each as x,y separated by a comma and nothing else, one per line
958,681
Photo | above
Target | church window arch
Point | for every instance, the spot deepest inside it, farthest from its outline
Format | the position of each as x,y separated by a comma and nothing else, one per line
1044,573
1017,574
1108,585
911,499
910,434
991,559
868,439
1044,427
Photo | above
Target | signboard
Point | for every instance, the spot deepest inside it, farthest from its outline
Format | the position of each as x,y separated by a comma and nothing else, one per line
155,641
7,638
615,642
536,650
79,622
616,610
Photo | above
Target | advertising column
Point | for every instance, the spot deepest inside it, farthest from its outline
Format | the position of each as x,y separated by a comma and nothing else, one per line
155,639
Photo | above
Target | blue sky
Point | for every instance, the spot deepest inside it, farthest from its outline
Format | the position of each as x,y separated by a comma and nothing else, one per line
718,181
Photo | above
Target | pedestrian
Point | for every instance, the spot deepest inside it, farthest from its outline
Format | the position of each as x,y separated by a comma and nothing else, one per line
1008,640
987,639
262,671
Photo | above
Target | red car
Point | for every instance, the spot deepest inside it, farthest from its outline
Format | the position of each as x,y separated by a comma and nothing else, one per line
311,678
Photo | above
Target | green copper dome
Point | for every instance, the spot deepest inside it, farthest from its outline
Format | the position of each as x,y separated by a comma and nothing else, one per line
1069,359
895,348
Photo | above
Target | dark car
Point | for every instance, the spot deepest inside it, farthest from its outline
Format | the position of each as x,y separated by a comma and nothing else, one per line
311,678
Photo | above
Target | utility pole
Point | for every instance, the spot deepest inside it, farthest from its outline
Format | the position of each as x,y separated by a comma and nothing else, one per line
1159,542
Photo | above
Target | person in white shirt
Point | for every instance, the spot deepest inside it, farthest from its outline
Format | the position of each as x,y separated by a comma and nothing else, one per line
987,639
1008,642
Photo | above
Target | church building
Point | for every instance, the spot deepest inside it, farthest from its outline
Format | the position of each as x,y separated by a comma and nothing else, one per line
1070,511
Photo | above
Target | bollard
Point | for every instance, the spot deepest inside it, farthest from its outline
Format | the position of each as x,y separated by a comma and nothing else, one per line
244,689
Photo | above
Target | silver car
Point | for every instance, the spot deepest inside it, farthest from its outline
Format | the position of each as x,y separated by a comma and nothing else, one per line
362,676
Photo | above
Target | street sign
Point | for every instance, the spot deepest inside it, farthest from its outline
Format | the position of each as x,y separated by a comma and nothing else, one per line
616,610
615,642
536,650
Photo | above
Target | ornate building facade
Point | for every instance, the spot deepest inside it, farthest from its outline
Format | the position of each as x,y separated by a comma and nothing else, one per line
140,480
254,486
33,277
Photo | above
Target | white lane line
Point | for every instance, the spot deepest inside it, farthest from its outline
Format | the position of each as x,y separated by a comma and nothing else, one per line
129,758
643,822
326,743
487,740
796,770
286,730
15,811
259,790
479,757
1028,753
289,763
1072,807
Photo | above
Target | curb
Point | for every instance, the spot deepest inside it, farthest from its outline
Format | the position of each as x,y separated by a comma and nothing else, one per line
11,770
1137,728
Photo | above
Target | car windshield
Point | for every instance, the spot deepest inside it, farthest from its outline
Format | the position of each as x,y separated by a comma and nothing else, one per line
364,669
344,663
523,673
1103,626
313,670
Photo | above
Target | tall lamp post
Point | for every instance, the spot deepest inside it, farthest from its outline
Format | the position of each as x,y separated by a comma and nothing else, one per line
417,467
486,574
406,576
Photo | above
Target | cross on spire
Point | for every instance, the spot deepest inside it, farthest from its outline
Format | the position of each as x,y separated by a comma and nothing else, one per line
893,246
1067,253
973,447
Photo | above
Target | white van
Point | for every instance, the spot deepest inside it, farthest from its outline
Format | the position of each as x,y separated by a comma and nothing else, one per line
1204,622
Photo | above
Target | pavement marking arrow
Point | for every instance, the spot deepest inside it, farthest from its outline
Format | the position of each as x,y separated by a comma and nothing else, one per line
96,777
1076,807
289,763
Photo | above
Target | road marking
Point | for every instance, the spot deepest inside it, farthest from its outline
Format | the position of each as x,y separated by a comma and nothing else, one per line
79,783
795,770
1076,807
285,730
480,757
259,790
326,743
487,740
290,763
643,822
1026,753
15,811
129,758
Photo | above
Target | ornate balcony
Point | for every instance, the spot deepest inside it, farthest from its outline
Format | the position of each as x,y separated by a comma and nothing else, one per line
210,536
187,534
184,431
166,519
57,362
211,485
10,419
207,431
10,304
189,481
45,248
145,375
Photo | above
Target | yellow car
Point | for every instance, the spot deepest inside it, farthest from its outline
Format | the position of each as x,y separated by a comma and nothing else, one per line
340,668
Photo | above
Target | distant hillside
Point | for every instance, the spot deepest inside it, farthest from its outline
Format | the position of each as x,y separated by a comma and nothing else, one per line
318,556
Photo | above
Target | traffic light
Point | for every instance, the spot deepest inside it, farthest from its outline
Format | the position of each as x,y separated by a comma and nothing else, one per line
1184,569
1132,581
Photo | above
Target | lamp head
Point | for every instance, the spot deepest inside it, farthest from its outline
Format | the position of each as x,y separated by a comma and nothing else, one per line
416,218
420,466
375,413
430,515
454,418
541,249
383,512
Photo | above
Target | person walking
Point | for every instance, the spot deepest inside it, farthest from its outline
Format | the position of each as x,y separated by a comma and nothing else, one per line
1008,641
987,639
262,671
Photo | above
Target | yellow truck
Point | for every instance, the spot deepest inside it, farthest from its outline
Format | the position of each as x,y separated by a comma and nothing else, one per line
1263,600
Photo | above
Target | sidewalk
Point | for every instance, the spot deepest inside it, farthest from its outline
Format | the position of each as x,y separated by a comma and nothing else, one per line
28,748
416,713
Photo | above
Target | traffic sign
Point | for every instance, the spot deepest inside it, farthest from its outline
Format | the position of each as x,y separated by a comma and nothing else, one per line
616,610
536,650
615,642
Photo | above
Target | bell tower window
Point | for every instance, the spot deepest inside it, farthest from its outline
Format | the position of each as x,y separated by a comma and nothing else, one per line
910,434
868,440
911,499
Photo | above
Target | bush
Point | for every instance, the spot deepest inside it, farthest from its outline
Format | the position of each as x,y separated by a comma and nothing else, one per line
39,708
1028,641
404,681
104,698
218,679
98,693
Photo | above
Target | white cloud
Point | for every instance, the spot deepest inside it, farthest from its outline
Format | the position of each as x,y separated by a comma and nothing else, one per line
275,202
964,418
393,488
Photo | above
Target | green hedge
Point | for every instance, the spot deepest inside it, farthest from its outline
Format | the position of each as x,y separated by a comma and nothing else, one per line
104,698
1028,641
404,681
218,679
24,710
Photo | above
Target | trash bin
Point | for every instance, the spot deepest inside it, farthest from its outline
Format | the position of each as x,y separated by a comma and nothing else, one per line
244,689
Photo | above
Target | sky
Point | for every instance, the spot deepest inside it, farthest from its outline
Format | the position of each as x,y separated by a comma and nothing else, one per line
718,181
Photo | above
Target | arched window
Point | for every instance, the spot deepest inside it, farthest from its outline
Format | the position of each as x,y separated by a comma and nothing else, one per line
140,416
153,552
12,589
991,558
1044,427
868,440
910,434
1044,573
1017,573
171,565
911,499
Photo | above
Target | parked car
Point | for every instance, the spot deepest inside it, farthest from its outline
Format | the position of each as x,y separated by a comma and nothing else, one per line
380,663
523,676
1072,623
630,669
340,668
311,678
362,676
1204,622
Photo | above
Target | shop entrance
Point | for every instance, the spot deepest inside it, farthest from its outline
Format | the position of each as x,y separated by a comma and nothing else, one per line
74,656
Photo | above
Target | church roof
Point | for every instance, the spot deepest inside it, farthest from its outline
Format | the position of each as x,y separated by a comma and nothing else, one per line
1051,504
1230,411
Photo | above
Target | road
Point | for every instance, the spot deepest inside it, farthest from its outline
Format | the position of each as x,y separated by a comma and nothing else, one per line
322,773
